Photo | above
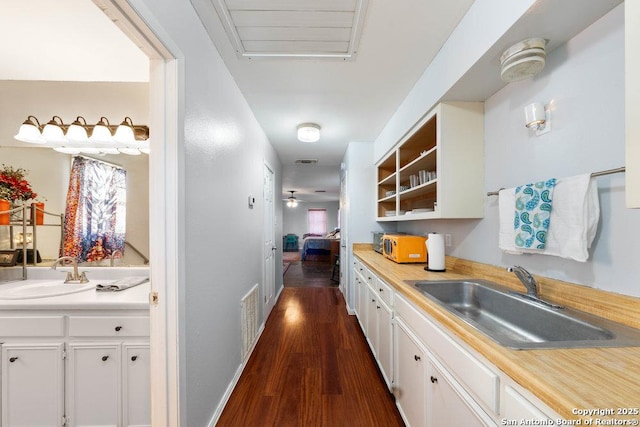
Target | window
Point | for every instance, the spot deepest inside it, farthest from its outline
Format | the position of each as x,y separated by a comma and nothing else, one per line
317,221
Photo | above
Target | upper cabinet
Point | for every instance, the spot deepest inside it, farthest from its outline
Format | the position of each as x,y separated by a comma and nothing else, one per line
437,169
632,101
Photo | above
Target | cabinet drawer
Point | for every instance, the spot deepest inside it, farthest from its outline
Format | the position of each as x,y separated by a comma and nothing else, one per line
384,291
482,382
106,326
32,326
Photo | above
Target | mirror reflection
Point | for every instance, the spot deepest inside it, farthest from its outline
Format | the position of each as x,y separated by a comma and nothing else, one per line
103,197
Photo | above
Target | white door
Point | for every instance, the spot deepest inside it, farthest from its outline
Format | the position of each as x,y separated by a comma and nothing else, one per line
32,385
269,279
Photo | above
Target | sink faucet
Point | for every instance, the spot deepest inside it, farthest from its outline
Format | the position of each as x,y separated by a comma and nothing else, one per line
74,277
531,285
113,256
527,280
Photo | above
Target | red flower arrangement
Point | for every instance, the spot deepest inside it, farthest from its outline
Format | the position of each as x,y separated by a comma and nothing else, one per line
13,185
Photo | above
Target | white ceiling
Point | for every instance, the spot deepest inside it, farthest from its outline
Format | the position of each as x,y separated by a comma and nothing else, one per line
351,100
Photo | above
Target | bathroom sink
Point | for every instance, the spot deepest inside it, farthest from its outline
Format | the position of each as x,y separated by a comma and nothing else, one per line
41,289
518,323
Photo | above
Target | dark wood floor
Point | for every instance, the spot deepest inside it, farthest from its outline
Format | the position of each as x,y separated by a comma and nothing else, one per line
311,367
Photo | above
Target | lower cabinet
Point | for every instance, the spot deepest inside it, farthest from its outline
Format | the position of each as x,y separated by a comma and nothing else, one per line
101,379
32,384
446,407
410,385
425,395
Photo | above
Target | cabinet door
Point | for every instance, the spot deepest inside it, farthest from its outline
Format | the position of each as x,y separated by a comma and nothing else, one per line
410,377
364,296
32,385
93,384
136,382
384,351
372,319
446,407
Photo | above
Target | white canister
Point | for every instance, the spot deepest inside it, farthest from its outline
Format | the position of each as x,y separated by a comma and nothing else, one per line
435,252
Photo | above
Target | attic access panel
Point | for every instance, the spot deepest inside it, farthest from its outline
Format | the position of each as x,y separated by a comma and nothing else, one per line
293,28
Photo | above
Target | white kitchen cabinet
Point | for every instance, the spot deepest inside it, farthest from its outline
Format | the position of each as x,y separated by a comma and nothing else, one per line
448,144
372,320
632,102
32,384
384,349
93,384
410,371
446,406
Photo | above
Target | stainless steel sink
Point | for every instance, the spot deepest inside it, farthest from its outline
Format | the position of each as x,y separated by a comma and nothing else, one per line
518,323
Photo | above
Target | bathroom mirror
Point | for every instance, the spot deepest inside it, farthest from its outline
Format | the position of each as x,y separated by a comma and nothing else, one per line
49,170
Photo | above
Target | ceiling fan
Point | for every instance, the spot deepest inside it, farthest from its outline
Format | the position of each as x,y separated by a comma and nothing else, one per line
292,201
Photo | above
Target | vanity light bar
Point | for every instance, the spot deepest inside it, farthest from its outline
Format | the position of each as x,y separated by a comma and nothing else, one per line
80,137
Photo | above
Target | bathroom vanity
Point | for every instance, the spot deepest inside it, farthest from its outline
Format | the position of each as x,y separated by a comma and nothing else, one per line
76,359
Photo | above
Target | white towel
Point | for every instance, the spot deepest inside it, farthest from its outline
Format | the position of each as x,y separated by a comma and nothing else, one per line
122,284
573,222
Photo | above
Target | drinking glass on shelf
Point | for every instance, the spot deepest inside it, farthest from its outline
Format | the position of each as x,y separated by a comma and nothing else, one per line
422,175
413,180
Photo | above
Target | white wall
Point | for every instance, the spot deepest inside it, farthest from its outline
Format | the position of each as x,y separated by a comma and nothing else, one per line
359,210
49,170
222,155
295,219
585,80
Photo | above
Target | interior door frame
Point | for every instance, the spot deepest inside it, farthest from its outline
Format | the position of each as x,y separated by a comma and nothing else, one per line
166,226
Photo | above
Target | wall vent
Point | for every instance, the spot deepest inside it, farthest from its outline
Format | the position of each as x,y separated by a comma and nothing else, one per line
306,161
249,312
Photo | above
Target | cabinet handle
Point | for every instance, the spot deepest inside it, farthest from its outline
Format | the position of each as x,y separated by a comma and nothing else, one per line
118,328
416,357
378,307
13,359
373,300
104,358
380,289
434,380
134,358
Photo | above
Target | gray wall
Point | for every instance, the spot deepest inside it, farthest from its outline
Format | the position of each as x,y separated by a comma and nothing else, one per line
585,80
223,153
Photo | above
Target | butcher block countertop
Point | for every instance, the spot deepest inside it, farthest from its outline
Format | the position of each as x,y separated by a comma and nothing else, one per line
566,380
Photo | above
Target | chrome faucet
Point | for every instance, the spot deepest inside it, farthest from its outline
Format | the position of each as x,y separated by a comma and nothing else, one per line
74,277
113,256
527,280
530,284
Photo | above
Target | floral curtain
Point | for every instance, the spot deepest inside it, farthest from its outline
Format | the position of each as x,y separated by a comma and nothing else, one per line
95,216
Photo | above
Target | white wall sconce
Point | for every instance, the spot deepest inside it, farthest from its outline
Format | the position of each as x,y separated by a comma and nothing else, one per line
308,132
538,117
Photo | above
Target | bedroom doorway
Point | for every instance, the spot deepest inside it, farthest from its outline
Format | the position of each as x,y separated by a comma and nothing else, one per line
269,268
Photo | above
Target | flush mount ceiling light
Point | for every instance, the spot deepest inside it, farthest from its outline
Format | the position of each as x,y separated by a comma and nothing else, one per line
308,132
523,60
79,137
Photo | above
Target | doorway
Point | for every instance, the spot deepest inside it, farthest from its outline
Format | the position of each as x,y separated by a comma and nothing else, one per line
270,247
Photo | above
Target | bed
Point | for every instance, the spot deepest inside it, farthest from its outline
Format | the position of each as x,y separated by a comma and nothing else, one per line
317,245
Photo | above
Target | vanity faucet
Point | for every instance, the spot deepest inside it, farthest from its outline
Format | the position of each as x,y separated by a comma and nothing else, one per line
74,277
527,280
113,256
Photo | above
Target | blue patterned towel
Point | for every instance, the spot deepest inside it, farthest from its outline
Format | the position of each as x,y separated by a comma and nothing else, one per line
532,213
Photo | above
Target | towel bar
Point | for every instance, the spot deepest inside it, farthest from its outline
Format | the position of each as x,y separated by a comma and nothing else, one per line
594,174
